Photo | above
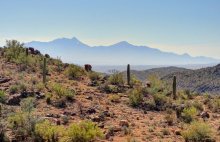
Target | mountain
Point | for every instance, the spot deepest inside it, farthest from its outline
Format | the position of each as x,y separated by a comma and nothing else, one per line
160,72
200,80
74,51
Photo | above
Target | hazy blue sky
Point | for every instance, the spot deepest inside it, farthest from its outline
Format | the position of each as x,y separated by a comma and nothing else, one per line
180,26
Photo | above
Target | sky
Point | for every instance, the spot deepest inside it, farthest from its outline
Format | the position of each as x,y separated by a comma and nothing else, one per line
180,26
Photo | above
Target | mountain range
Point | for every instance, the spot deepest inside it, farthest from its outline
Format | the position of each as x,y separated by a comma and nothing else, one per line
74,51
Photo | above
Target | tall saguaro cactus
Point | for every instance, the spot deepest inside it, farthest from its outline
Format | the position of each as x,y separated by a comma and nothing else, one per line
128,75
174,87
44,70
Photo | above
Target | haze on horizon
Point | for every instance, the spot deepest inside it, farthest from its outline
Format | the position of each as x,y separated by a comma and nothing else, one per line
182,26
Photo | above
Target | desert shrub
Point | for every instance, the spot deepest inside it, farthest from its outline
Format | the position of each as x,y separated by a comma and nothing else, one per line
40,86
189,94
134,81
197,132
165,132
156,84
116,79
94,76
149,104
13,89
47,131
22,87
59,65
111,88
28,104
3,136
114,98
160,100
22,124
13,50
2,96
214,105
63,92
181,95
74,72
170,117
189,114
85,131
136,97
198,105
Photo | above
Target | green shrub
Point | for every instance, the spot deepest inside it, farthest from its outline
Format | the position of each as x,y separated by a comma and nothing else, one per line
134,81
149,104
197,132
74,72
28,104
189,114
214,105
40,86
170,117
46,131
63,92
114,98
94,76
198,105
13,89
156,84
2,96
136,97
160,99
85,131
116,79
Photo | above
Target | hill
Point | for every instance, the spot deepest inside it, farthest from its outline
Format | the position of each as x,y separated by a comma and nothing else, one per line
201,80
160,72
73,50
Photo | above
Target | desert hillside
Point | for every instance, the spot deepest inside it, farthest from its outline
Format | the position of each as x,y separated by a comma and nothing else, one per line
204,80
45,100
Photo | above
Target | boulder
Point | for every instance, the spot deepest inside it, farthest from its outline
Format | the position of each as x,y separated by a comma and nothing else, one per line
14,100
204,115
91,111
4,80
88,67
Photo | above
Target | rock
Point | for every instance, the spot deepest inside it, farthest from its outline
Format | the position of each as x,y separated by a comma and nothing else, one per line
117,129
101,125
204,115
49,115
91,111
88,67
96,119
39,95
148,84
178,133
58,122
14,100
4,80
89,98
123,123
106,113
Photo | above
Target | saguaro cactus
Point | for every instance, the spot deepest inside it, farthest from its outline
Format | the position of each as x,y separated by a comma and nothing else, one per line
128,75
174,87
44,70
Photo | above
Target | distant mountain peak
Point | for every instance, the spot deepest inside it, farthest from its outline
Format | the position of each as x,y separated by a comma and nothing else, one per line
186,55
122,43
